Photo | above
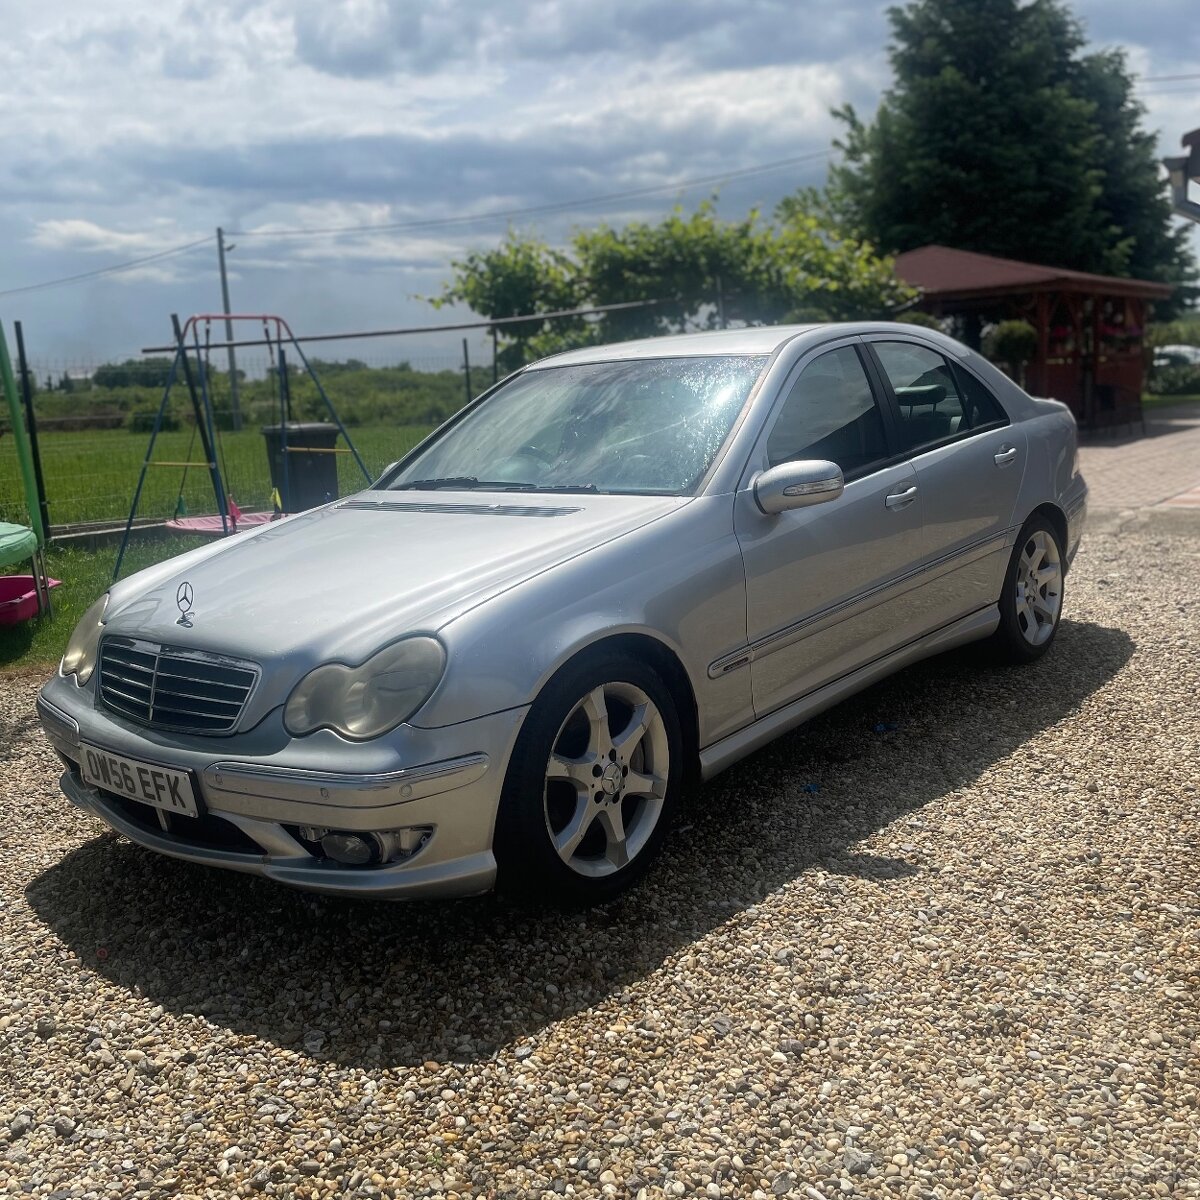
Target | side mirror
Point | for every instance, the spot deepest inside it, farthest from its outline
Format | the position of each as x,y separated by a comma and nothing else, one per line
798,484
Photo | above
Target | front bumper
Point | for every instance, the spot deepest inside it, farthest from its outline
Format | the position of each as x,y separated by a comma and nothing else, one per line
258,790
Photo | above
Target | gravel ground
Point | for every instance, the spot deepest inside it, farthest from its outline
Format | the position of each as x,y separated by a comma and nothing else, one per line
943,942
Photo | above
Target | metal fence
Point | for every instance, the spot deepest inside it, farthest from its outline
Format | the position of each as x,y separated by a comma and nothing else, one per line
389,390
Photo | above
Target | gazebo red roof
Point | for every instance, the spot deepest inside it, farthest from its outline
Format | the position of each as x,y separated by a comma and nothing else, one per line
942,272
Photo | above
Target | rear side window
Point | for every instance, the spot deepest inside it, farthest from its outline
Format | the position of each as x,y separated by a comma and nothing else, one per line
935,401
830,413
980,407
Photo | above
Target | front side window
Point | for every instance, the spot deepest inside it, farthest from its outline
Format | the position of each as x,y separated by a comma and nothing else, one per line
830,412
935,400
634,426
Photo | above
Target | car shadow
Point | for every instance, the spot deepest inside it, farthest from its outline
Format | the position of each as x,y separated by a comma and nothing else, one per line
378,984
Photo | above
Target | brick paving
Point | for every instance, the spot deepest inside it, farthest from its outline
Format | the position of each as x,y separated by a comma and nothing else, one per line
1138,471
1188,499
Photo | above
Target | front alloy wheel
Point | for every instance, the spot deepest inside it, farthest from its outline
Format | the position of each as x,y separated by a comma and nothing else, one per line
593,778
606,779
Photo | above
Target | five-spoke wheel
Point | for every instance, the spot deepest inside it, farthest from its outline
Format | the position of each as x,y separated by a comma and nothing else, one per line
1038,596
1031,602
606,779
591,782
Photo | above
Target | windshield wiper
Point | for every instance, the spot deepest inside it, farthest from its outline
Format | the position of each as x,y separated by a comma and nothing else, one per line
548,487
444,481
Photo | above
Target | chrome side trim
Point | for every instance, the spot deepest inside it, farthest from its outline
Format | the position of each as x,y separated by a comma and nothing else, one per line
335,789
57,723
728,750
867,600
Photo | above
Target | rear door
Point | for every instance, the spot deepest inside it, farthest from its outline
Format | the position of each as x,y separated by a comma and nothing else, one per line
825,584
969,459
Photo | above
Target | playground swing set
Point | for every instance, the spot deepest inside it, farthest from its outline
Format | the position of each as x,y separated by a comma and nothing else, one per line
22,596
191,361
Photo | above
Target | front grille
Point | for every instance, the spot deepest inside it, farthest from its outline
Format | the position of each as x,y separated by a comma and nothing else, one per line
167,688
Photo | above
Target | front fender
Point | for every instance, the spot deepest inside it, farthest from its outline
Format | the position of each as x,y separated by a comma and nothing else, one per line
679,580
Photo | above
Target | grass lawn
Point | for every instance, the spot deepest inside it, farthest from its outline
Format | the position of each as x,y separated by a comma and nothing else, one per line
91,476
85,575
1154,403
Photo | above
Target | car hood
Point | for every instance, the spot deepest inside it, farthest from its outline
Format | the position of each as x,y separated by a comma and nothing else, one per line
341,581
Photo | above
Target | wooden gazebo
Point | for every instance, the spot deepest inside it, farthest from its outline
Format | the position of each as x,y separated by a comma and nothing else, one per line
1090,328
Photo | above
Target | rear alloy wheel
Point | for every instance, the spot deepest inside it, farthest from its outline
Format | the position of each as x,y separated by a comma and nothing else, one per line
1031,603
605,740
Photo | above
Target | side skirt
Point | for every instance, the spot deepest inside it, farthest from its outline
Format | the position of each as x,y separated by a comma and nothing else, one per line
722,754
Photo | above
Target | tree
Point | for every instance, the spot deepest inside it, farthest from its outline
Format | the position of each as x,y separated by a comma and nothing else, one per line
1000,135
698,269
522,275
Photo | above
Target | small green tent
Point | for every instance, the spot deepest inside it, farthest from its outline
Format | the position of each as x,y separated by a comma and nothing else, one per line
21,542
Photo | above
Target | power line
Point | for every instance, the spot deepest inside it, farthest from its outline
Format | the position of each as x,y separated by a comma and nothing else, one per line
1167,78
559,206
113,270
433,223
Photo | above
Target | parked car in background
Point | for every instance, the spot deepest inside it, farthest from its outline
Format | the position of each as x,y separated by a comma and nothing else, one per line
1177,356
623,568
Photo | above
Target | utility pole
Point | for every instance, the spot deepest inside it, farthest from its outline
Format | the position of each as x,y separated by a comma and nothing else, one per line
235,409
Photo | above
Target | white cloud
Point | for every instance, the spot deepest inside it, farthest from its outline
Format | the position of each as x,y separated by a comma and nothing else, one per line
136,126
87,237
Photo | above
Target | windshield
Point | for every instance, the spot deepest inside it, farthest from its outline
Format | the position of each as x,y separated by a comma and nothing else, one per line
639,425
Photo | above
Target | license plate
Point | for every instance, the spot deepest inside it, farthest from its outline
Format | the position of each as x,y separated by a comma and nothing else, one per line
147,783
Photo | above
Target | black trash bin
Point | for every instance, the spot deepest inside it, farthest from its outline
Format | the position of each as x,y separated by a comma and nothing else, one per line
311,477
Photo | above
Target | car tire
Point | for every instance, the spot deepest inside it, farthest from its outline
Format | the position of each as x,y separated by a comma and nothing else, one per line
587,799
1032,598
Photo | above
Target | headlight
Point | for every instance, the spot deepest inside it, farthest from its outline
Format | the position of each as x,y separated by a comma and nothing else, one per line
80,658
363,702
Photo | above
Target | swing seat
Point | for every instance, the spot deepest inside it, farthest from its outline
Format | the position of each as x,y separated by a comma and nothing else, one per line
211,526
18,598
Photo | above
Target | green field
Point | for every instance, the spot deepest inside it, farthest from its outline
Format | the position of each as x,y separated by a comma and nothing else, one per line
85,575
91,476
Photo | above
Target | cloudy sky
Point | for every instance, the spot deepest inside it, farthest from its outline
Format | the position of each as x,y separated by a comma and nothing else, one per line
134,127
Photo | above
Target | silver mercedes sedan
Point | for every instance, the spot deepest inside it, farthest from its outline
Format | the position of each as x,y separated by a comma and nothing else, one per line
616,573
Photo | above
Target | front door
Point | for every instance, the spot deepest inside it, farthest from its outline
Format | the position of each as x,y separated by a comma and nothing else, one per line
824,583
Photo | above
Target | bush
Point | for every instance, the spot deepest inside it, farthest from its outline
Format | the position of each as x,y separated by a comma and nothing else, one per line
1178,380
141,420
1012,343
923,319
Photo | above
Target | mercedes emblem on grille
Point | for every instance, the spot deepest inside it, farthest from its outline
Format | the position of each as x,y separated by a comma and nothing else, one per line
183,598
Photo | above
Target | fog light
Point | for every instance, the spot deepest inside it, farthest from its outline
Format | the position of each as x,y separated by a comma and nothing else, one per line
395,845
348,848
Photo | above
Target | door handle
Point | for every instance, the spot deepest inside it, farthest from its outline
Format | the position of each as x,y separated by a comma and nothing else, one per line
1005,456
901,499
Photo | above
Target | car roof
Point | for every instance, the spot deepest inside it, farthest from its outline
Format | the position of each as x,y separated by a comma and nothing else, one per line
759,339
